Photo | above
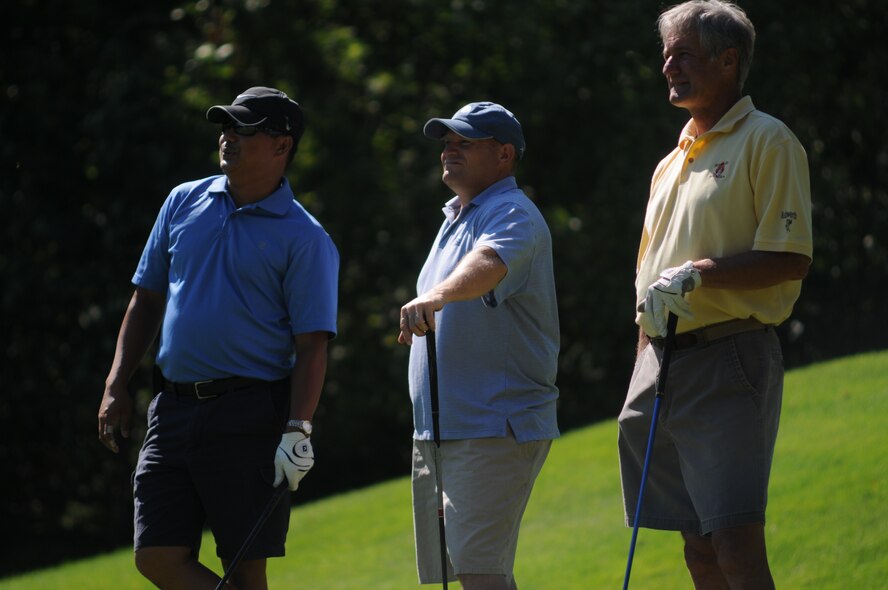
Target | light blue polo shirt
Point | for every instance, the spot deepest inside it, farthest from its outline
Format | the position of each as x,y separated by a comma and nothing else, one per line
497,355
239,282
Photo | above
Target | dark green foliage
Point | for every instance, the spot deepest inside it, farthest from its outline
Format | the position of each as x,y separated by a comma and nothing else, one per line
101,108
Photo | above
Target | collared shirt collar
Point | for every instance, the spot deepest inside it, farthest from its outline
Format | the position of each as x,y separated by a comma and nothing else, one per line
726,124
452,207
277,203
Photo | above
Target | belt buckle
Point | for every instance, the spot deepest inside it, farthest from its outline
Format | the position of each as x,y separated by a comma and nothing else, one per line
197,385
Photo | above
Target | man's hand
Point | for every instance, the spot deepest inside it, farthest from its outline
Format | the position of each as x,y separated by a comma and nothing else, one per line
477,273
667,294
418,316
115,411
293,459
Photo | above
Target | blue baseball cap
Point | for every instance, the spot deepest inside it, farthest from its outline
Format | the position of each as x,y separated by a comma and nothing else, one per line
480,120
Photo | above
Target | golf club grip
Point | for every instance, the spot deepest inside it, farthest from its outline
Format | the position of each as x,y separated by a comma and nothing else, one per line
248,542
668,346
432,354
443,541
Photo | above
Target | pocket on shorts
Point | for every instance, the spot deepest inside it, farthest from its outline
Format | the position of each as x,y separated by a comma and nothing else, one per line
639,360
646,364
757,360
152,408
155,418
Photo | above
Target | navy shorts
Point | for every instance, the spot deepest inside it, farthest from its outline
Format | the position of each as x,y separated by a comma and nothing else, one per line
210,463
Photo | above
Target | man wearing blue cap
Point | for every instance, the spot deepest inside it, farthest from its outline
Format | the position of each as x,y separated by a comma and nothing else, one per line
487,290
241,283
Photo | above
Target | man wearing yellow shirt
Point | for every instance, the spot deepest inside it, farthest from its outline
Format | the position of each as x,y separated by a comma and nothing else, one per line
725,244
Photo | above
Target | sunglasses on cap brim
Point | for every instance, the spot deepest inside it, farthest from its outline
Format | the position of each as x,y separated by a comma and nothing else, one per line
249,130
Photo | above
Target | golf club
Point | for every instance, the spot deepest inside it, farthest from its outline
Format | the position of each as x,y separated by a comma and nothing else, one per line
436,434
660,389
269,508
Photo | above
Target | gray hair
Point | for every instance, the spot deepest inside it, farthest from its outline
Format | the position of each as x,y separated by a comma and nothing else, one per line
721,25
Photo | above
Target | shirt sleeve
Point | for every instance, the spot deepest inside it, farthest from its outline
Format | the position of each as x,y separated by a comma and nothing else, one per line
510,232
311,286
783,199
154,265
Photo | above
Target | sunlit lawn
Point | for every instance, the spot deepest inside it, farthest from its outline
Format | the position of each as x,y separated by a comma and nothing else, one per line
827,528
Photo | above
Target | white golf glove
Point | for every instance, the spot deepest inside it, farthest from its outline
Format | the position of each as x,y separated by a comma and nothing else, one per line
293,459
667,294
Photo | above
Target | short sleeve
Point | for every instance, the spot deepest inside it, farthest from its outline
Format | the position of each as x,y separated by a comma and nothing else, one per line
783,199
153,269
510,232
311,286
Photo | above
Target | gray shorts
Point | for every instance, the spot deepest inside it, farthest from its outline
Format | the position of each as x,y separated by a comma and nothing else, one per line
714,442
211,463
487,483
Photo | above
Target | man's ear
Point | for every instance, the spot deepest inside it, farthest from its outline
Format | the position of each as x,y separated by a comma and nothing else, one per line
508,152
284,146
730,58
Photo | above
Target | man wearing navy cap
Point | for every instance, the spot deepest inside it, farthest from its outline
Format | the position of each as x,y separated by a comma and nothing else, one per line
241,284
487,290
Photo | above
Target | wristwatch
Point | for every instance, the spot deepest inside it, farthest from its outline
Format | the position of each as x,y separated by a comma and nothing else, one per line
303,426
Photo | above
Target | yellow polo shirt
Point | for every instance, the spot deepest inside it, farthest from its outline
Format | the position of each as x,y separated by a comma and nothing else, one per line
741,186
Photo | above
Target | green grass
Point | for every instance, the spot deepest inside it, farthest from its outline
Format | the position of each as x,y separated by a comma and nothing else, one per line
827,527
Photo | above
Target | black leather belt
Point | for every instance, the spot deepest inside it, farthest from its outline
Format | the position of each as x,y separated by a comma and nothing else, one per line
212,388
711,333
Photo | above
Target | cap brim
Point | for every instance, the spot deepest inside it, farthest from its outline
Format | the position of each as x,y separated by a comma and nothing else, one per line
239,114
438,128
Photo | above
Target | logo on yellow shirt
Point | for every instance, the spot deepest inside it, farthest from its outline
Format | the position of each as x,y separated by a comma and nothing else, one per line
719,171
789,216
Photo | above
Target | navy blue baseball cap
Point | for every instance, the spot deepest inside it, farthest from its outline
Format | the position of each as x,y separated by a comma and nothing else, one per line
480,120
266,107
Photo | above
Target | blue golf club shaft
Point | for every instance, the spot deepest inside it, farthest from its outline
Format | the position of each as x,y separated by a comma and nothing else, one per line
662,374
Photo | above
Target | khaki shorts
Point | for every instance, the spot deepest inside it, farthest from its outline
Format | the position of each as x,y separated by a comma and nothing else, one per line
714,442
487,483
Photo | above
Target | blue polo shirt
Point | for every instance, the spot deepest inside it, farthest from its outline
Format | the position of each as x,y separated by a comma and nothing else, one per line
498,354
239,282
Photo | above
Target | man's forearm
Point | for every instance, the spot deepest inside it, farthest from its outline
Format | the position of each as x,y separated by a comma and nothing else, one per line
138,330
752,270
478,273
308,374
